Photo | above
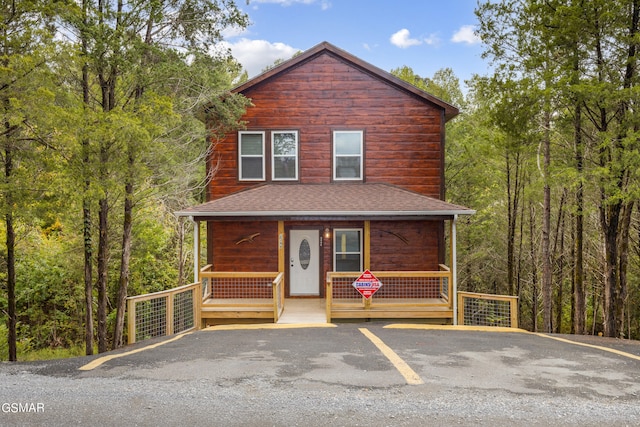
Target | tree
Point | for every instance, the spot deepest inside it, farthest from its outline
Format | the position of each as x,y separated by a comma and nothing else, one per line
24,38
584,53
126,51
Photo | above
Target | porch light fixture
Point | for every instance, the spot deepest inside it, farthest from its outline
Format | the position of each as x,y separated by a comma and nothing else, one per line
327,233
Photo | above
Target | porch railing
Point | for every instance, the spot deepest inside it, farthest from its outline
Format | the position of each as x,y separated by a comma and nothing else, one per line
403,294
163,313
223,286
487,310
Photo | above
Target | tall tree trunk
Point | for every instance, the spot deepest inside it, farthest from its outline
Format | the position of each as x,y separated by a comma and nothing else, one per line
612,213
519,268
579,292
513,199
534,271
609,222
11,286
86,203
546,231
11,244
121,303
559,261
127,226
623,265
103,260
88,267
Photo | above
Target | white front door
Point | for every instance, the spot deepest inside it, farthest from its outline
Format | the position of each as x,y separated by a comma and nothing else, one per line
304,262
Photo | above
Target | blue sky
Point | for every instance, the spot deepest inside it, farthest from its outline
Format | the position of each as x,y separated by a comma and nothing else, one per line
426,35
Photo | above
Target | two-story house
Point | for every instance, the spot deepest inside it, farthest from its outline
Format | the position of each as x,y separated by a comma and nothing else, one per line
340,169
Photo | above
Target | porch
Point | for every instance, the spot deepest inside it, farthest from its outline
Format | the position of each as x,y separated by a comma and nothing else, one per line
181,309
312,241
403,295
233,297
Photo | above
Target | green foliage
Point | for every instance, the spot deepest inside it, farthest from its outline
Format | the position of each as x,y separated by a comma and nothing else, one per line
151,80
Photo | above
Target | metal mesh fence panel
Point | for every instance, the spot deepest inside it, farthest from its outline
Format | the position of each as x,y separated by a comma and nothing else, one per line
183,311
444,286
394,287
242,287
486,312
151,318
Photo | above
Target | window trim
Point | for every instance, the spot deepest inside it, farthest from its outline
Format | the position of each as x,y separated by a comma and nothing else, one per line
273,155
361,244
241,156
361,156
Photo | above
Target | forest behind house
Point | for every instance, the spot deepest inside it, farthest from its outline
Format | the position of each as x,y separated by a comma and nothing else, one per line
102,106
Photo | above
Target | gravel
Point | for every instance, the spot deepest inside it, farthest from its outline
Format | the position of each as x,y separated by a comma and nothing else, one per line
232,384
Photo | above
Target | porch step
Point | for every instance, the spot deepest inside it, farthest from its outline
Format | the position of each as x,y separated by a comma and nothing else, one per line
236,312
391,312
298,311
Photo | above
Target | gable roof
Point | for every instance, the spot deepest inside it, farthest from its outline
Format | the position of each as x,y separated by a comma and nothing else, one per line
449,110
271,201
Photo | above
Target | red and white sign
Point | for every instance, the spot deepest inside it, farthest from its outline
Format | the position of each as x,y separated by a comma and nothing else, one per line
367,284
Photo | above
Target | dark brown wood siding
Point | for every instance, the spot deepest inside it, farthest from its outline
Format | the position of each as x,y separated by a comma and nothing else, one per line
226,254
404,245
402,133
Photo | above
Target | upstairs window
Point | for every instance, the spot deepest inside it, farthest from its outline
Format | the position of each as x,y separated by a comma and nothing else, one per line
284,161
347,155
251,153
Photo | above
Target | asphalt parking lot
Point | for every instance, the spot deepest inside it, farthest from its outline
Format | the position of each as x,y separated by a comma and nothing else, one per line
370,373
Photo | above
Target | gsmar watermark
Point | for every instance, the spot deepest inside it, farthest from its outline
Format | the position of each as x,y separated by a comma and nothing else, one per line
21,407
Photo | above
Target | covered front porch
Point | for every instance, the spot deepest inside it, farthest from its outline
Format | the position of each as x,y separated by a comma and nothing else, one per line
269,245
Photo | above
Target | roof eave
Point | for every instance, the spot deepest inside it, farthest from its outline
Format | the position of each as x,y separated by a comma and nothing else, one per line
439,213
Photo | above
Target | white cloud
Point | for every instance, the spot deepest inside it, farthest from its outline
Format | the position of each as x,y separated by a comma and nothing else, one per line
403,39
255,55
432,40
466,34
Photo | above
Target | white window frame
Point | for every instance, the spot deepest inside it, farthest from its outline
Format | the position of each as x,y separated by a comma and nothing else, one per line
274,156
336,253
360,156
241,156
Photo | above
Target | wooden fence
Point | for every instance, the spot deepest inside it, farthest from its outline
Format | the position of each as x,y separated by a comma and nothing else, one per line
241,295
163,313
403,294
487,310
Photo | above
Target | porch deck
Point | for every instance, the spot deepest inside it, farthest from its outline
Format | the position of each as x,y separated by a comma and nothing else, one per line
392,308
259,297
260,310
314,310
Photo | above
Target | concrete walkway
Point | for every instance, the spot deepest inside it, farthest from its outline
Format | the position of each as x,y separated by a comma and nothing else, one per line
303,311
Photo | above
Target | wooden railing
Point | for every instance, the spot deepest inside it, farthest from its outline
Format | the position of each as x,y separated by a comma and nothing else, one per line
236,292
163,313
404,294
487,310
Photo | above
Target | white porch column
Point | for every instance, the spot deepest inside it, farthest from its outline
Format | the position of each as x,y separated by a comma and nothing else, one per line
454,270
196,250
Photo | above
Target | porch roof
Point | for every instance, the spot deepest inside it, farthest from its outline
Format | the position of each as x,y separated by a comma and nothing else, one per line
271,201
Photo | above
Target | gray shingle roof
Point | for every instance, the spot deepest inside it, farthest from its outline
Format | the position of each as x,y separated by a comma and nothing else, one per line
330,200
